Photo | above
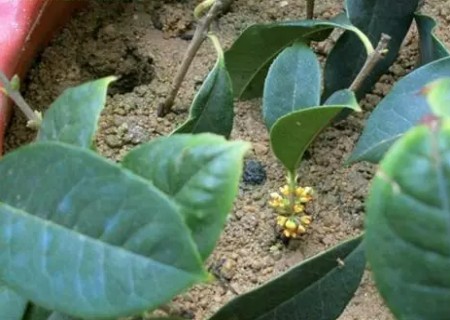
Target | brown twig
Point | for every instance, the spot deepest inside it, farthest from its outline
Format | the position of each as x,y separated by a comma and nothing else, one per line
372,60
199,36
310,9
34,117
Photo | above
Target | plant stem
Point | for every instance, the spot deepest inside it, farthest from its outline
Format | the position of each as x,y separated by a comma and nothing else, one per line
34,117
216,43
372,60
310,9
200,34
292,183
203,7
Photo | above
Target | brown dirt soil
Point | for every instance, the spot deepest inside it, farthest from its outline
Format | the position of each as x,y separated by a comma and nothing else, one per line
143,42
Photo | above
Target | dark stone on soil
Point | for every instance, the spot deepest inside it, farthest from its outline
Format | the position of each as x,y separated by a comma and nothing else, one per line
254,173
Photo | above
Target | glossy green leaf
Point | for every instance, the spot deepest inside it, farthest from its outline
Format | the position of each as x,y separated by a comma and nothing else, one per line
72,118
398,112
318,289
200,173
250,56
292,134
431,48
373,17
82,236
293,83
342,97
438,97
408,224
212,109
12,306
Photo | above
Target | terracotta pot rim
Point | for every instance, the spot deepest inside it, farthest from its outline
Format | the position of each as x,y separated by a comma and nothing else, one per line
30,26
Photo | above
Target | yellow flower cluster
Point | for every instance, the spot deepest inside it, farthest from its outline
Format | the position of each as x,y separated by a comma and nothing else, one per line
290,206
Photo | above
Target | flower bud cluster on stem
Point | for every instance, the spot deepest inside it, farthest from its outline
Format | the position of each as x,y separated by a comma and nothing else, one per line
289,204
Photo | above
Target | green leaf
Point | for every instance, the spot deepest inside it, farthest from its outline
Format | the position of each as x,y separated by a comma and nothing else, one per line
398,112
342,97
12,306
292,134
438,97
212,109
200,173
82,236
373,17
316,289
408,224
250,56
72,118
293,83
431,48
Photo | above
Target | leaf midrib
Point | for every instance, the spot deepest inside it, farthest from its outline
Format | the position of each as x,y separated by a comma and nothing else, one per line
176,193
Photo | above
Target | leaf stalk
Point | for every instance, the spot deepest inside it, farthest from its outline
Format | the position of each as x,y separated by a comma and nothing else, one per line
292,183
216,43
34,117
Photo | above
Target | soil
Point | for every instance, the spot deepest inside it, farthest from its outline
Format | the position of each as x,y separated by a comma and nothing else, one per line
144,43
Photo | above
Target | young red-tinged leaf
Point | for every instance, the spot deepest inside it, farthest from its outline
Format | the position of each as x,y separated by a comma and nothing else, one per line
438,97
399,111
